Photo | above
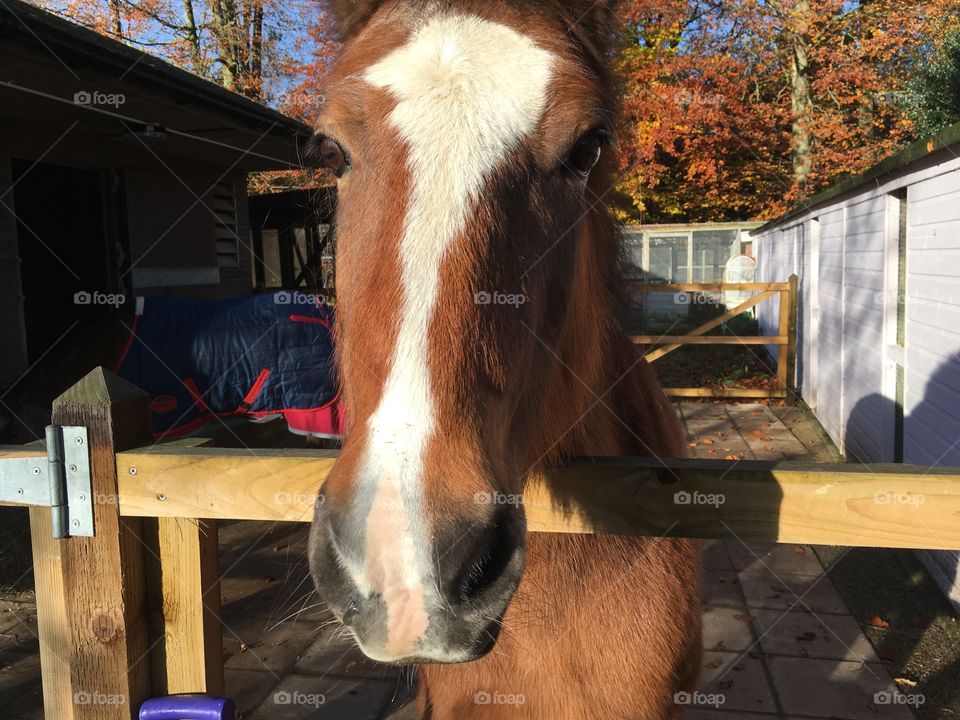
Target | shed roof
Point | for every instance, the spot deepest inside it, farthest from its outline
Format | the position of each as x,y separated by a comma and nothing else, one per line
911,154
48,60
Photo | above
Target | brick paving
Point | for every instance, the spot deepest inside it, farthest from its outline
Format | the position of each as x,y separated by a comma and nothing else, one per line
778,640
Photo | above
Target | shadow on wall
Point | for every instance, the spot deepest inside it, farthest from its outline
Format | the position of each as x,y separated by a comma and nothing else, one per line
931,437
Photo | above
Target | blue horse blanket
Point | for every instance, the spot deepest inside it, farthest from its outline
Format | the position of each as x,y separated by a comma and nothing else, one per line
261,357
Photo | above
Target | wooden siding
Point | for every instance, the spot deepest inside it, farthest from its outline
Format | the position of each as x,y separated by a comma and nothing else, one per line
847,362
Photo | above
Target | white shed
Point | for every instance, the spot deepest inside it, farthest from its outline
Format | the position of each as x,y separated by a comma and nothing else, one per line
878,357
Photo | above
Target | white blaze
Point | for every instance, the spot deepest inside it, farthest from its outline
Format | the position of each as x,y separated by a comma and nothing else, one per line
467,91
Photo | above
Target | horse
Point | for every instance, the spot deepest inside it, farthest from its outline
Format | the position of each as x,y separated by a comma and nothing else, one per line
479,280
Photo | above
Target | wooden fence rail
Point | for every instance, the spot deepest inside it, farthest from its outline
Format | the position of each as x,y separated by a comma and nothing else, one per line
133,612
785,340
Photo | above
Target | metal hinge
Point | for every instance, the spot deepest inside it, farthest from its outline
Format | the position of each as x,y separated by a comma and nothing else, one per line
59,480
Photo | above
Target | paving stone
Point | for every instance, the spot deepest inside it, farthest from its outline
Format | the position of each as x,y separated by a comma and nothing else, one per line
798,559
763,589
727,629
831,689
739,678
302,697
267,586
716,556
29,706
803,634
248,688
334,654
721,588
253,644
19,673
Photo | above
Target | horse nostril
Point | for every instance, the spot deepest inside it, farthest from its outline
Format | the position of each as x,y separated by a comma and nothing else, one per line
488,565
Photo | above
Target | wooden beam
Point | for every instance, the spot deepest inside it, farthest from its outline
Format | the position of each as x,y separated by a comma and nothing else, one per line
277,485
707,287
707,392
883,506
709,340
92,609
185,606
716,322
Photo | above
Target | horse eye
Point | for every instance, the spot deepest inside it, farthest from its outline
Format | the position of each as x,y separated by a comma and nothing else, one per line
586,154
332,157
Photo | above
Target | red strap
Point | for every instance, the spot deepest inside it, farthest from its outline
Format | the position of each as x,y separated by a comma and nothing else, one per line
251,396
325,321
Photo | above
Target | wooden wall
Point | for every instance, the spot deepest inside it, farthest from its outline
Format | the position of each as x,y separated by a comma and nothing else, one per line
846,252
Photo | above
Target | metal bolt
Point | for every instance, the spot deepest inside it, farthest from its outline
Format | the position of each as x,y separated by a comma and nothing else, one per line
73,468
19,491
76,523
36,471
133,471
82,497
161,497
78,440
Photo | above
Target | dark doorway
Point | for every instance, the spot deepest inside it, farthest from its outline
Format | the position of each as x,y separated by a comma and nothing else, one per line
65,249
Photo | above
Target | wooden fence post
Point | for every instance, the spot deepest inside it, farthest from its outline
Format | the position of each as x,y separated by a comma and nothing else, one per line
185,606
90,590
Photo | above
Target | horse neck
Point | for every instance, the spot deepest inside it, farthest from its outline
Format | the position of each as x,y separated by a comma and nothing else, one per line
582,365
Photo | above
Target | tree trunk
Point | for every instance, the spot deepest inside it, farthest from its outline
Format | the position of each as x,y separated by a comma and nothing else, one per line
801,102
224,31
193,37
116,26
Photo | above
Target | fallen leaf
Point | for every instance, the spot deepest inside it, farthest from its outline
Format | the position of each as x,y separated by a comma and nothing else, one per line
878,622
906,682
693,444
708,441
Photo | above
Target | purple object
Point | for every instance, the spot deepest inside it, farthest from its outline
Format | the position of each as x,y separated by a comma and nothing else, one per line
188,707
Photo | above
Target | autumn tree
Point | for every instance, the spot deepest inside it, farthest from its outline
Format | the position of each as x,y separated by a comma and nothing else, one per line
737,110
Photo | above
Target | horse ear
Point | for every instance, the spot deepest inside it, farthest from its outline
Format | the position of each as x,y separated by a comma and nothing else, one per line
350,15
